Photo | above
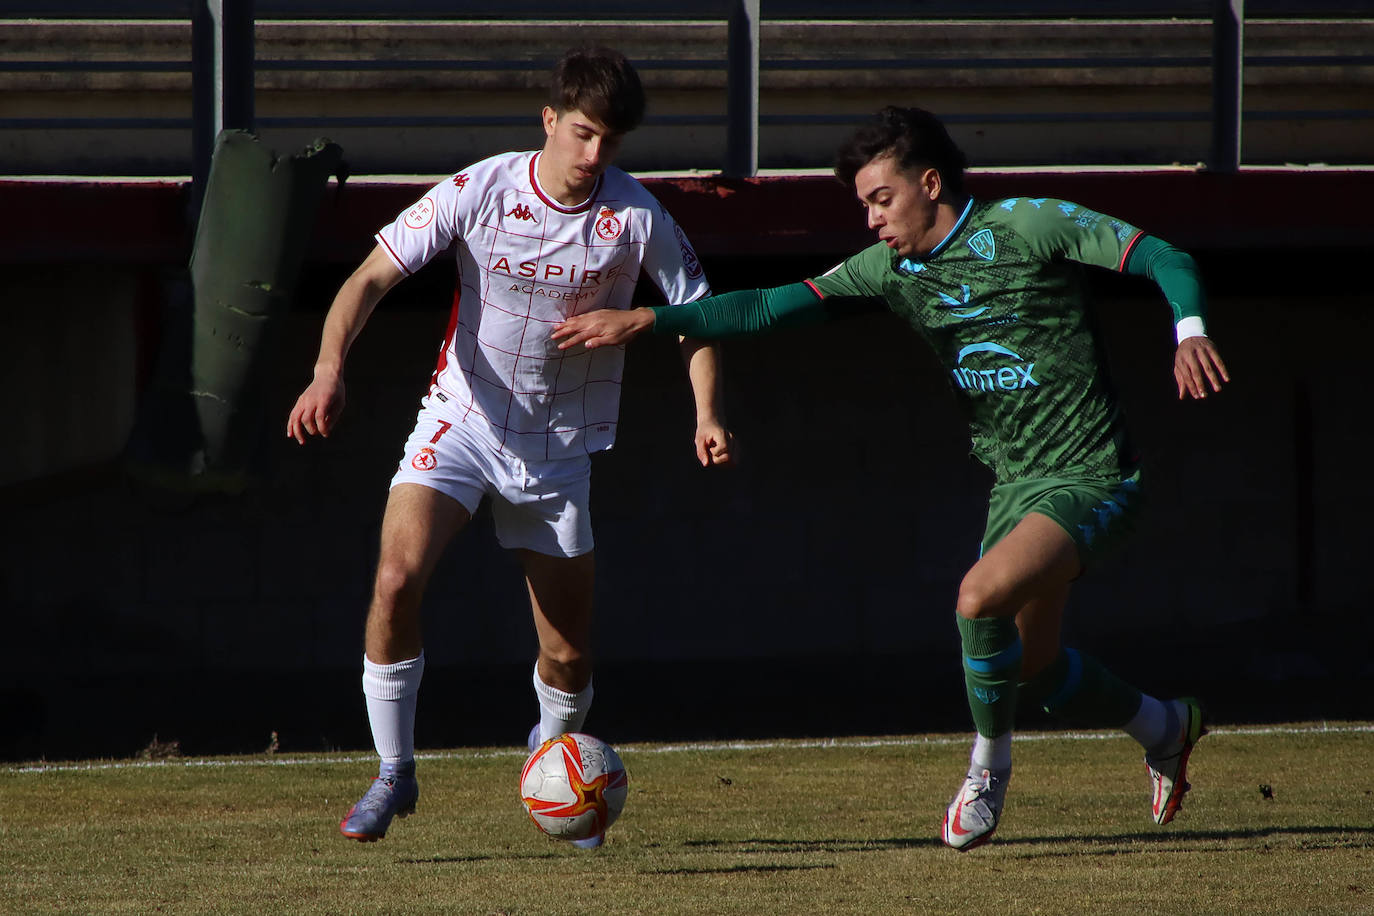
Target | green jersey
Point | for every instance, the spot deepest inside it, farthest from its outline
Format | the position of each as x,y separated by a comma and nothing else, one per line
1002,302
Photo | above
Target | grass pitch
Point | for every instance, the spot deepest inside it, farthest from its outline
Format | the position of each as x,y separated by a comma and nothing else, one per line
1280,820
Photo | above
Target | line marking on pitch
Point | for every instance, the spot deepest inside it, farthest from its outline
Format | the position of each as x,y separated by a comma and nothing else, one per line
693,747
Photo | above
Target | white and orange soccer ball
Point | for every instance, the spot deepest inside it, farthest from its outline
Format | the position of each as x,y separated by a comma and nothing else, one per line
573,786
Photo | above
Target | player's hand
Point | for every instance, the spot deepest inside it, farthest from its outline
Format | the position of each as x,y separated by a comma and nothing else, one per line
317,409
1197,365
602,328
715,445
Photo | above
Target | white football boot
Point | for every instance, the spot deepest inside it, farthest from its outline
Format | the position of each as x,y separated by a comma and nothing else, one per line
972,816
1169,769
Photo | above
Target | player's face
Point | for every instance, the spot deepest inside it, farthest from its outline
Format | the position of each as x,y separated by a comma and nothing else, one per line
901,204
578,147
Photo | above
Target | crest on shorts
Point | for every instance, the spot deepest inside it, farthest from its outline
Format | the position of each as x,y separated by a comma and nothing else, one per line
424,460
983,244
608,224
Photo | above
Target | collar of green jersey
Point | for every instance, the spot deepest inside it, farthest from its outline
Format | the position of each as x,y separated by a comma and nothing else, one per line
944,242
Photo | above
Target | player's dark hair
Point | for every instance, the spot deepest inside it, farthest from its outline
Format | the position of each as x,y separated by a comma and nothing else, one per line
914,137
601,83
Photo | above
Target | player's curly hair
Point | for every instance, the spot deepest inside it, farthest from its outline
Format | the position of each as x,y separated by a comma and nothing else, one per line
913,136
601,83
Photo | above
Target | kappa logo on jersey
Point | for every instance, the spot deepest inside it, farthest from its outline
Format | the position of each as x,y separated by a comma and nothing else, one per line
420,215
424,460
523,212
966,307
689,257
983,244
1081,216
460,181
608,224
1001,378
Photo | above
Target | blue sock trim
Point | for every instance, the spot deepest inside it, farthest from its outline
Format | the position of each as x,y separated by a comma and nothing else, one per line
1072,678
1008,657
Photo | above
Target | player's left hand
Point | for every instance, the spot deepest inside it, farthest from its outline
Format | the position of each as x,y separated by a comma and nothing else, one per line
602,327
1197,364
715,445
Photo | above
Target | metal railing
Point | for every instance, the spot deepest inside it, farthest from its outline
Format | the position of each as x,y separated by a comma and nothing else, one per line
223,66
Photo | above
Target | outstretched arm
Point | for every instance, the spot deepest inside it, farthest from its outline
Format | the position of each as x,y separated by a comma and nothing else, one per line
319,406
735,314
1197,364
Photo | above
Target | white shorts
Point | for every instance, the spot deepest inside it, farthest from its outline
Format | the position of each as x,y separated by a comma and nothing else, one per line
537,505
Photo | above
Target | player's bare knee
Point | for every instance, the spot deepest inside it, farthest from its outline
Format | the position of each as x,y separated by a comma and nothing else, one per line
976,601
396,589
970,603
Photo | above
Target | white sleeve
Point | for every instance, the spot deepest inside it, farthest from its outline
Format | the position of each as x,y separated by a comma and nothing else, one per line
670,260
427,228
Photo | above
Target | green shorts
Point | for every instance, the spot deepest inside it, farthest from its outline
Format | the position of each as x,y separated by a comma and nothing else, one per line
1097,513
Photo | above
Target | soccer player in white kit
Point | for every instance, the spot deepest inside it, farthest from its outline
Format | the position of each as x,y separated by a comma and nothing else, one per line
539,236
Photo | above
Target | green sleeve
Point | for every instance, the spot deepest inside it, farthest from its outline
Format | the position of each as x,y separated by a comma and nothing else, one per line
1174,271
741,313
859,275
1061,229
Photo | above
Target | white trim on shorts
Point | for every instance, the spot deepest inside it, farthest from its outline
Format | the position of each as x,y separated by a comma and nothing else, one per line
542,506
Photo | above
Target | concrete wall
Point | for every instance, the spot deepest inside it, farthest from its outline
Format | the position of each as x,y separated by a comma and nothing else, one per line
1027,92
808,591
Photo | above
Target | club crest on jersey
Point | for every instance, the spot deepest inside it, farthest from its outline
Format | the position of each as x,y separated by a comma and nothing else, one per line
689,257
983,244
420,215
424,460
523,212
608,224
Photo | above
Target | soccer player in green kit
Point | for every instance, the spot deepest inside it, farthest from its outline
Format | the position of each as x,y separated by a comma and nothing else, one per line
995,288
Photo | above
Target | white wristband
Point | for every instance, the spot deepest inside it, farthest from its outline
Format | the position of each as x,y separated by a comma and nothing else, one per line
1190,327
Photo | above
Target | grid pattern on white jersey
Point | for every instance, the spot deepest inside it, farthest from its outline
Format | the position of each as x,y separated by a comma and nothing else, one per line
525,262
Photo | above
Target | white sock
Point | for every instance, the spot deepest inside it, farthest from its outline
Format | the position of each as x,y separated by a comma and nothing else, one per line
1156,723
560,712
391,692
991,753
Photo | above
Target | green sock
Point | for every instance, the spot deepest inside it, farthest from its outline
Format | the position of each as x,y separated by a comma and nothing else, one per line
1077,688
992,668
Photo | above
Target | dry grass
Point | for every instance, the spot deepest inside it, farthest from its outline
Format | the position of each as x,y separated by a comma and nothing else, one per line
786,827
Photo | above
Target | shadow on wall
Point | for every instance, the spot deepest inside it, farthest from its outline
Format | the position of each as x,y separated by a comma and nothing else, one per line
808,592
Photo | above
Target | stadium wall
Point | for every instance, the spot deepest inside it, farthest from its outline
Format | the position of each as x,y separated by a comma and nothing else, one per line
808,591
112,97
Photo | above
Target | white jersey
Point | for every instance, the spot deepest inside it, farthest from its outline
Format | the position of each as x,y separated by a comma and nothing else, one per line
526,262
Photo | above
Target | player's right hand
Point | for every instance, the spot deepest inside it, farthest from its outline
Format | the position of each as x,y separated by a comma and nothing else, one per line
317,409
602,328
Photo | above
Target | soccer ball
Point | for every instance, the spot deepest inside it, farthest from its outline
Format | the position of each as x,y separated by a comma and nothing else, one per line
573,786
